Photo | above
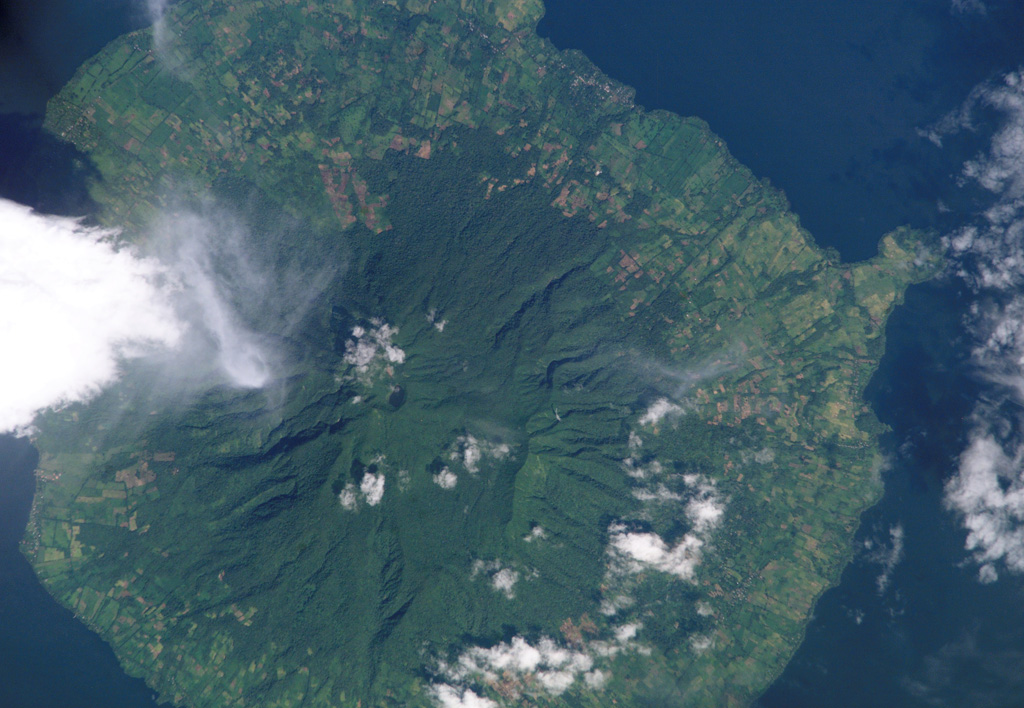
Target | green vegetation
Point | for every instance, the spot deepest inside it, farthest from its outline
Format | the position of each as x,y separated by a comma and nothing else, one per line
554,264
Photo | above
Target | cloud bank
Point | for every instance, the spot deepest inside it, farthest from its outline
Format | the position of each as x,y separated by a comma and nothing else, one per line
78,304
987,491
74,305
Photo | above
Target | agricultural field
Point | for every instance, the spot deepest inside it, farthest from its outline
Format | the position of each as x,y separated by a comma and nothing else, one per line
572,415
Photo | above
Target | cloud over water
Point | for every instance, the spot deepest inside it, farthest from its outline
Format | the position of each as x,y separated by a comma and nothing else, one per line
77,303
72,306
987,489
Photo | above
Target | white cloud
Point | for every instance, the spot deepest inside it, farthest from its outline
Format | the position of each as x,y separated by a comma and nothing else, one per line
987,574
646,470
639,551
660,494
1002,169
156,11
163,36
439,325
701,643
470,451
595,679
659,410
452,697
370,491
536,533
75,305
635,443
988,493
888,555
544,666
547,664
348,498
613,605
504,581
999,352
626,632
372,487
990,254
371,348
445,479
705,508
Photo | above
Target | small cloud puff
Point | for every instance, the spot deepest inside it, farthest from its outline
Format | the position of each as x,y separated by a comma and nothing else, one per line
453,697
372,487
370,346
888,555
705,508
536,533
611,606
701,643
626,632
370,492
445,479
660,494
646,470
470,451
659,410
503,579
439,325
348,498
634,443
764,456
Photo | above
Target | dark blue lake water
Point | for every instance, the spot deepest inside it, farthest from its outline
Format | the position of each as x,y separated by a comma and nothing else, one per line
48,659
822,97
